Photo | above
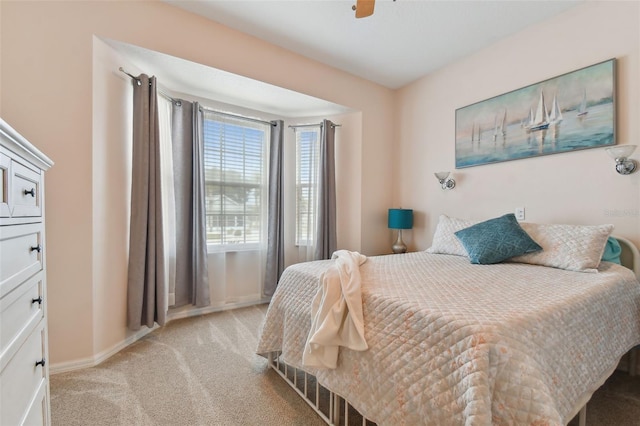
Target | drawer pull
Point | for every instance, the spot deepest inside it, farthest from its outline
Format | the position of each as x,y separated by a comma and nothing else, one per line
31,192
41,362
38,300
37,248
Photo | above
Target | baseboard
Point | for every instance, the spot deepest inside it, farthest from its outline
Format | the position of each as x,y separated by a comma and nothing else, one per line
187,313
64,367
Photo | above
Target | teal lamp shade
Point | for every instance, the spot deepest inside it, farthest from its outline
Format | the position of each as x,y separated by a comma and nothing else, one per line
400,219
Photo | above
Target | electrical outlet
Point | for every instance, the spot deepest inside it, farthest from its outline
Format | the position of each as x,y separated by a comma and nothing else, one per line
520,213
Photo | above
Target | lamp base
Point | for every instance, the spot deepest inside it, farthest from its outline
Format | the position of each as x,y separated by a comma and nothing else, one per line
399,246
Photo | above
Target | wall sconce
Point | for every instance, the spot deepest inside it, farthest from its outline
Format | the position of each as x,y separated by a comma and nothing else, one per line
620,153
400,219
445,180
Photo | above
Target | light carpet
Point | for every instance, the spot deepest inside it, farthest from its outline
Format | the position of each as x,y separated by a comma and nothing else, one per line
204,371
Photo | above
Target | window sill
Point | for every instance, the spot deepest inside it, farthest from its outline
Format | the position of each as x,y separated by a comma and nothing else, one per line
231,248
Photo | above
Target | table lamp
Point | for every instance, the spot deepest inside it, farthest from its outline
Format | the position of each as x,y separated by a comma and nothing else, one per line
400,219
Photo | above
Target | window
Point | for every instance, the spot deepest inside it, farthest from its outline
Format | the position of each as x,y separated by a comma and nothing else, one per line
235,172
307,155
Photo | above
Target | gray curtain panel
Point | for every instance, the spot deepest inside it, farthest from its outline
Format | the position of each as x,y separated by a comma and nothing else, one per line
275,227
192,275
146,292
326,237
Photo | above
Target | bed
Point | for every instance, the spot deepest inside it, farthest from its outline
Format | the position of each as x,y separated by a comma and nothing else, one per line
452,342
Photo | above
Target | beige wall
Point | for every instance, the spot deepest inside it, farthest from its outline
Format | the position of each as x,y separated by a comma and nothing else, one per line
47,62
111,191
579,187
47,76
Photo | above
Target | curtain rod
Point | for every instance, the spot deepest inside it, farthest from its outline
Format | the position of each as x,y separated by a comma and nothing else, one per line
178,102
312,125
132,77
138,81
166,95
225,113
256,120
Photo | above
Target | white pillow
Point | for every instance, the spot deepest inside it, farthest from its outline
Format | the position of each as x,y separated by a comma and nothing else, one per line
571,247
444,239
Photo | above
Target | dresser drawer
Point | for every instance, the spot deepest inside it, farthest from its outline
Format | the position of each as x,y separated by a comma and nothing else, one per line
26,199
21,254
21,379
20,310
37,414
5,163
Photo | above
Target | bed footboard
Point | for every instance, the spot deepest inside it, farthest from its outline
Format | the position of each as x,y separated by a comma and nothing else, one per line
331,407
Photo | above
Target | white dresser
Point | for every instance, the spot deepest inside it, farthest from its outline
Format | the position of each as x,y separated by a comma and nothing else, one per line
24,369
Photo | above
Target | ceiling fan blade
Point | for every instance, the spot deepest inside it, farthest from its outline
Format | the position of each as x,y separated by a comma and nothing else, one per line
364,8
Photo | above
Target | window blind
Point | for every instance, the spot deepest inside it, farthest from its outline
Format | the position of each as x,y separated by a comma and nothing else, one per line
235,173
307,155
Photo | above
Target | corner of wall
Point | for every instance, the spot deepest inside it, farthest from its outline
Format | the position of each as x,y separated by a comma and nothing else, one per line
111,171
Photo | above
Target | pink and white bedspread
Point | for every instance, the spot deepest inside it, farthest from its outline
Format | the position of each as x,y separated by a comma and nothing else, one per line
452,343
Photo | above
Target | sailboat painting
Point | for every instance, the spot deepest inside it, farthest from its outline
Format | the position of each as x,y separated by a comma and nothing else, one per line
569,112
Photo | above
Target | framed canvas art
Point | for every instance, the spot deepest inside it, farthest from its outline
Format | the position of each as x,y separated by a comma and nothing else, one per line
564,113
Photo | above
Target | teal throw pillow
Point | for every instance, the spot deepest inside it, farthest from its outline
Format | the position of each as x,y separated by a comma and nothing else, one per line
612,251
496,240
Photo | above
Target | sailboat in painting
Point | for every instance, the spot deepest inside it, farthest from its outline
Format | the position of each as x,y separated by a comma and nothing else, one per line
476,133
499,126
582,109
555,116
541,118
528,121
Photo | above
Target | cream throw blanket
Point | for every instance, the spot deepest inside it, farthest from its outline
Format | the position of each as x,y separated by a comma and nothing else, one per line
336,312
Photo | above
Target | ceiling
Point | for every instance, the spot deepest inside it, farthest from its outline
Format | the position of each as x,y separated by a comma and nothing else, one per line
179,77
403,40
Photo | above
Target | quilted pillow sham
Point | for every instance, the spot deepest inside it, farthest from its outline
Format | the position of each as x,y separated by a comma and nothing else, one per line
444,239
495,240
571,247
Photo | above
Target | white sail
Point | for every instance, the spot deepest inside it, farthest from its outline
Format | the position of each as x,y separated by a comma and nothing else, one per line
542,115
582,110
541,119
555,117
504,123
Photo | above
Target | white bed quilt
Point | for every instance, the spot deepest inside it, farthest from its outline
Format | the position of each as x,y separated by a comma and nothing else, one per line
452,343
